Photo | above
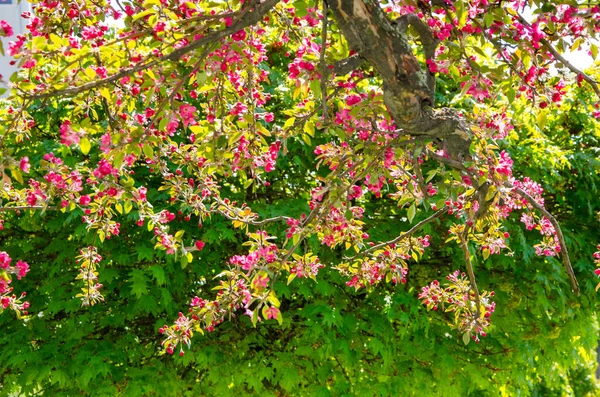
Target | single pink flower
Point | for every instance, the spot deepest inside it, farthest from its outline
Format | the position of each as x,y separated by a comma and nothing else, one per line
272,313
84,200
24,164
4,260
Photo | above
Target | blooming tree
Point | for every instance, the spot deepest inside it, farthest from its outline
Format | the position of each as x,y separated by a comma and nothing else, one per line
207,98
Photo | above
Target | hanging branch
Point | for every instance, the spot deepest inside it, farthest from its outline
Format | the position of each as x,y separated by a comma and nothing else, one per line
564,253
322,64
467,255
21,208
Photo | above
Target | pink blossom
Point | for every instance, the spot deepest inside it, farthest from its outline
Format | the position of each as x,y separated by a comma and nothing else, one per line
4,260
84,200
21,269
353,100
15,46
505,164
272,312
239,35
261,281
24,164
5,29
29,63
104,169
527,219
187,114
67,135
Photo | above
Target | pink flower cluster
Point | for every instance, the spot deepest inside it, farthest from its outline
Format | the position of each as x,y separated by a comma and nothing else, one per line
342,225
264,253
387,264
307,266
5,29
8,300
458,296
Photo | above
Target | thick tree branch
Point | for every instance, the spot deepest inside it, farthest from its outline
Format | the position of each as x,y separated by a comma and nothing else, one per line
429,42
408,87
347,65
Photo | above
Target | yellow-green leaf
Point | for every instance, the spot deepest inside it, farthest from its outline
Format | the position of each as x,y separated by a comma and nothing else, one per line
309,128
466,338
148,152
412,210
84,145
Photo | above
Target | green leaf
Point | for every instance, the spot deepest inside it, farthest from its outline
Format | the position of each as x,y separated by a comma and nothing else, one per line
90,73
138,281
184,261
309,128
158,273
466,337
315,87
412,210
291,278
84,145
486,253
594,51
143,14
541,120
148,152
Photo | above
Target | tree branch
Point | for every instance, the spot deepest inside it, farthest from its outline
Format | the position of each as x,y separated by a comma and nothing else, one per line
463,238
408,233
563,60
347,65
322,64
408,88
21,208
429,42
564,253
243,23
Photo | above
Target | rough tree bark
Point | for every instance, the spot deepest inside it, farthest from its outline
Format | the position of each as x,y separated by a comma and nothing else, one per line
408,88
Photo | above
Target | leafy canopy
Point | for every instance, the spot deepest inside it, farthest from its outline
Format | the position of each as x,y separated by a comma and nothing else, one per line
311,167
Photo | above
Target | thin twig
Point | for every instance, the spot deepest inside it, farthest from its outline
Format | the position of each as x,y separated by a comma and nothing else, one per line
346,65
467,255
420,179
253,222
408,233
21,208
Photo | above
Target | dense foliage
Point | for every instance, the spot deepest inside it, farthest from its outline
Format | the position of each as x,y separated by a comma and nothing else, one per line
344,217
